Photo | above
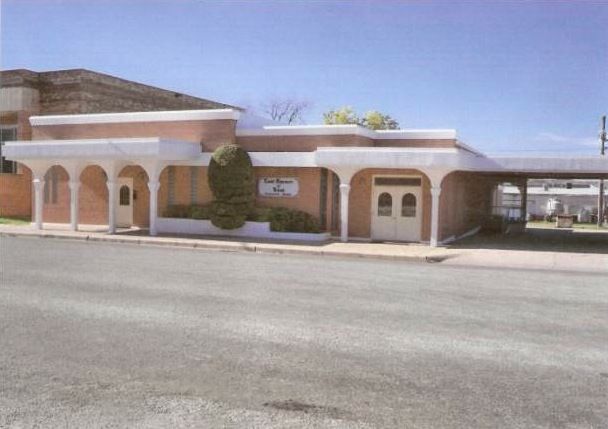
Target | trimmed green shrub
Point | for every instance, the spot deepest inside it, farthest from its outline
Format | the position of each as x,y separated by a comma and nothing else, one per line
177,211
231,180
288,220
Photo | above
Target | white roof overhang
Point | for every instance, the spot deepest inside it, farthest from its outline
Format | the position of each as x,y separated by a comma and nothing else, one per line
102,149
547,163
376,157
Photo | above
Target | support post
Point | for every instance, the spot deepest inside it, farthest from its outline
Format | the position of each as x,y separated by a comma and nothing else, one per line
153,187
344,192
601,204
112,185
38,183
435,194
74,187
523,192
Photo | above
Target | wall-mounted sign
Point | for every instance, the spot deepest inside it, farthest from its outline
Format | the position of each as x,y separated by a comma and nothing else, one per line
278,186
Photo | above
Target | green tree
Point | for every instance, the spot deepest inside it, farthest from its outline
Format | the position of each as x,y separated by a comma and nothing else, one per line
344,115
231,180
373,119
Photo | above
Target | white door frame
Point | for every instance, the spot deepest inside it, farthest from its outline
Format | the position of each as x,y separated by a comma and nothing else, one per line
124,213
379,231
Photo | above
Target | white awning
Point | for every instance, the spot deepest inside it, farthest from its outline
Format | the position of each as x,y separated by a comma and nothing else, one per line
102,149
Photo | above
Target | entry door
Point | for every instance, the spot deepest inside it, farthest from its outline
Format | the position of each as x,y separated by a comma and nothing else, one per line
396,213
124,206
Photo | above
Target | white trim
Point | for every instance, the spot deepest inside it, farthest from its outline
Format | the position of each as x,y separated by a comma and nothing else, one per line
413,134
117,118
307,130
347,129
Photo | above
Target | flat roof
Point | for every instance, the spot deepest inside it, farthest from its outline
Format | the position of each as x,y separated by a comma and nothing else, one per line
126,117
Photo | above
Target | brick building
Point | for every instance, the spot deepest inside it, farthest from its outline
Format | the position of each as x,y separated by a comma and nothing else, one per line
151,148
24,93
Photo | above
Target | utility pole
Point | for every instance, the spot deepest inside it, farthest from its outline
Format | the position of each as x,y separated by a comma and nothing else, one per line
600,198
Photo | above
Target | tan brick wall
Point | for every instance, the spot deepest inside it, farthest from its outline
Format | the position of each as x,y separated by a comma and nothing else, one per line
211,133
465,200
360,201
299,143
15,194
307,200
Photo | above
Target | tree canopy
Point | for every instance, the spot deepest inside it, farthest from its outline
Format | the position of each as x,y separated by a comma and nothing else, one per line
372,119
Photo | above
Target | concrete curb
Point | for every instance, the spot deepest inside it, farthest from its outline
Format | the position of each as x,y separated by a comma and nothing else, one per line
228,246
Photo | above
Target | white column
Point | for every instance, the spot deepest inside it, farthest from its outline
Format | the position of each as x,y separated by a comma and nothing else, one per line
112,185
344,191
435,193
153,187
74,187
38,200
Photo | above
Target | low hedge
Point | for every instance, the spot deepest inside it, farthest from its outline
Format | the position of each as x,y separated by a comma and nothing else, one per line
184,211
281,219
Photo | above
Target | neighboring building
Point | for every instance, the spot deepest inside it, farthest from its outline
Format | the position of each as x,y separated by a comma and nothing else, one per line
127,168
24,93
576,196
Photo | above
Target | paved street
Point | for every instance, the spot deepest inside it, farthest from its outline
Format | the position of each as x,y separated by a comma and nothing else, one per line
117,335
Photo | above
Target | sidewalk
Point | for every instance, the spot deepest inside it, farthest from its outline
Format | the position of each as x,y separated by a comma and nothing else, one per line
397,251
486,258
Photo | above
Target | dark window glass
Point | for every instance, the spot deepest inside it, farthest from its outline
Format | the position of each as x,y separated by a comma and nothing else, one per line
397,181
385,204
408,205
7,134
125,195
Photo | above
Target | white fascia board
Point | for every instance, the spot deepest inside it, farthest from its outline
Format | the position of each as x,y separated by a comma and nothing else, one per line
126,117
448,159
559,163
307,130
347,129
91,149
263,159
439,134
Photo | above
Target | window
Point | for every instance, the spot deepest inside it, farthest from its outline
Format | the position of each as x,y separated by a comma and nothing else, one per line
51,181
7,134
408,205
385,204
124,195
397,181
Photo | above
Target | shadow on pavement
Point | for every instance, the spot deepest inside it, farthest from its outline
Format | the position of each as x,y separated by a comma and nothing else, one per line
542,240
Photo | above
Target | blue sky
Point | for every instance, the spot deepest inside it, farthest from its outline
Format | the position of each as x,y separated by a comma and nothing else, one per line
507,75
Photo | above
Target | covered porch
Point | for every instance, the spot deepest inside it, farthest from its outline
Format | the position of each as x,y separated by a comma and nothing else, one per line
111,156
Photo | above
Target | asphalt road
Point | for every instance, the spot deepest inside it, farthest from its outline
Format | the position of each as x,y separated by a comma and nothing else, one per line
99,335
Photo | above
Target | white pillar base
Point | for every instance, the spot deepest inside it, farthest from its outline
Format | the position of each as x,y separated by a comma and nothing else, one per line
74,208
38,201
344,192
435,194
112,185
153,187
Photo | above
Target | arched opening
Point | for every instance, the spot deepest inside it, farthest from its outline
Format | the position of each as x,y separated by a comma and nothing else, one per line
367,187
133,205
93,196
56,195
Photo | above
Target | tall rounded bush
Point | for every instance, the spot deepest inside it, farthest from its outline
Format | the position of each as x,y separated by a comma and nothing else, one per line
231,180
